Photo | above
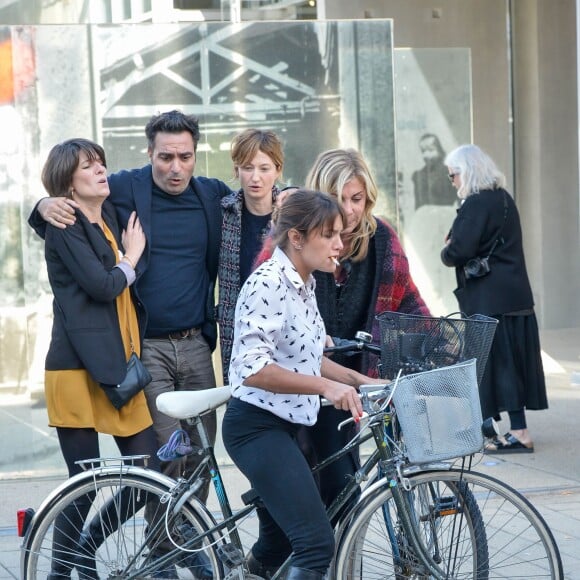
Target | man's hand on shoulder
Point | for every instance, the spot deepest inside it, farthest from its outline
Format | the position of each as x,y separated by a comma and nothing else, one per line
58,211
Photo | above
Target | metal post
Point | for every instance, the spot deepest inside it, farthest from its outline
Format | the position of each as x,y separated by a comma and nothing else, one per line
235,10
578,75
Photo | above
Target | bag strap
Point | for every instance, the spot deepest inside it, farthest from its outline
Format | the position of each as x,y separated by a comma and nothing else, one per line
499,236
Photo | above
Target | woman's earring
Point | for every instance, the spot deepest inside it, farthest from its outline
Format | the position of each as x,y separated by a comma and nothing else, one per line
72,192
298,247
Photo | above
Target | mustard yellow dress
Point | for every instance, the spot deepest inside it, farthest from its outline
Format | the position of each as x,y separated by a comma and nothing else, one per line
74,399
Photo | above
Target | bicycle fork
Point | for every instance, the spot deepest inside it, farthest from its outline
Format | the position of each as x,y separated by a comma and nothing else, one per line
408,549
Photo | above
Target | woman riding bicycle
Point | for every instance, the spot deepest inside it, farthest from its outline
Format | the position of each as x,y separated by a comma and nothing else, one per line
277,374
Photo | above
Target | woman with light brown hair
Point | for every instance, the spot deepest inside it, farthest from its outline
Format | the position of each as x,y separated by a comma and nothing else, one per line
258,161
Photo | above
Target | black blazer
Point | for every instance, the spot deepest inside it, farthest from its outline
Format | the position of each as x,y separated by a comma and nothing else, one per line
479,222
132,190
85,284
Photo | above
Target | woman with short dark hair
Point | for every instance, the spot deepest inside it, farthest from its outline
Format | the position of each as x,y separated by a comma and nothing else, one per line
91,266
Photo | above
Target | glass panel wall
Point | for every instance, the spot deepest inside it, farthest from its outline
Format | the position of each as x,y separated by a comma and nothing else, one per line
433,116
318,85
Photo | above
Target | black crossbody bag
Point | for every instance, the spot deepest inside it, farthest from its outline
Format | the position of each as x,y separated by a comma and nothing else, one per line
136,379
479,267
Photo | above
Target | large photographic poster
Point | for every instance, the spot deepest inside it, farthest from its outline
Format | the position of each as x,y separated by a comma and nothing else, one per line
319,85
433,116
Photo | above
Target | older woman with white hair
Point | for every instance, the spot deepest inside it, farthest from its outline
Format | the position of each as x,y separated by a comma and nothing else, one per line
485,247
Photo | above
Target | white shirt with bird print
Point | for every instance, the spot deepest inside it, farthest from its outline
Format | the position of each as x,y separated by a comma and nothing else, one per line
277,322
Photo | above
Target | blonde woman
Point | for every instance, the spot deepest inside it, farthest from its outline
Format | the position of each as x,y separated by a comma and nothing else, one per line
373,276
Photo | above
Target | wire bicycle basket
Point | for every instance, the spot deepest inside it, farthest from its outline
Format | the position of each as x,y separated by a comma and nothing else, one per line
414,344
439,413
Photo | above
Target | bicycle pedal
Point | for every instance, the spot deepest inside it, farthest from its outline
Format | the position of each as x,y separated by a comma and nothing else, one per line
230,556
447,506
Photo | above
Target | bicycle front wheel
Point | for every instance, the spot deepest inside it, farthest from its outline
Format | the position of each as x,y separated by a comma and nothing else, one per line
118,526
470,526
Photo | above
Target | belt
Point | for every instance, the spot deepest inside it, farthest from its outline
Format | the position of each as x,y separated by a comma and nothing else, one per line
179,334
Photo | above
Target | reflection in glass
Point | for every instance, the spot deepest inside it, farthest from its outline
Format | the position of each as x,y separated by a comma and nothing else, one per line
433,116
319,85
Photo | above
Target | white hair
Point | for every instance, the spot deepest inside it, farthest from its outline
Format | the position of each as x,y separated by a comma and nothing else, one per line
476,170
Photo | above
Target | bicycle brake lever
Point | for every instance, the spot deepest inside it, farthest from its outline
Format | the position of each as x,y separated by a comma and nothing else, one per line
351,420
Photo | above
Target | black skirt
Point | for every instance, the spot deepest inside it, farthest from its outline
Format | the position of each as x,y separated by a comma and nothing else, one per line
514,375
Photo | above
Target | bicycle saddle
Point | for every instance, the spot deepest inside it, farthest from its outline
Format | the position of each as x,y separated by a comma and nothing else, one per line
186,404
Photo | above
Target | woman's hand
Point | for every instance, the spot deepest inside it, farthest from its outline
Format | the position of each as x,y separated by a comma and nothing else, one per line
344,397
58,211
133,239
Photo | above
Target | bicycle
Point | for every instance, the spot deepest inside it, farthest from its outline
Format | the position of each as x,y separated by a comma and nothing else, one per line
416,517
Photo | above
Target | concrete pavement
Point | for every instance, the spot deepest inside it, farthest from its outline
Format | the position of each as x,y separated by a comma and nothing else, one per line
550,477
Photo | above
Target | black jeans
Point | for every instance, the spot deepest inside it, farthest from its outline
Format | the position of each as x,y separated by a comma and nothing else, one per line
264,448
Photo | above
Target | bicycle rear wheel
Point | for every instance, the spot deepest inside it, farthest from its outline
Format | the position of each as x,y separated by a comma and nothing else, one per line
110,525
502,536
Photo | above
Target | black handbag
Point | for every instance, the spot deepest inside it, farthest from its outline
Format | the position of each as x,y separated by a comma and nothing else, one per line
479,267
136,379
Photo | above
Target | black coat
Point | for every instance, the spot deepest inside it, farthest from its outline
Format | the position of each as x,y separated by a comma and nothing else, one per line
133,190
85,331
479,222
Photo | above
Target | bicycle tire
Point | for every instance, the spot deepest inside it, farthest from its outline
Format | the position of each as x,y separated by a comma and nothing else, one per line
405,563
125,551
518,542
472,510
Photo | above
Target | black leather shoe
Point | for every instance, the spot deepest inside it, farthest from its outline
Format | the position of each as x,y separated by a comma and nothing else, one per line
256,567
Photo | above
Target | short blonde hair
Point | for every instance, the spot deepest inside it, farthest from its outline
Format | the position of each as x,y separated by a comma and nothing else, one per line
247,144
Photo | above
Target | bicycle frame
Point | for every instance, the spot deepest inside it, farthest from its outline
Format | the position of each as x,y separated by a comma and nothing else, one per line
181,491
390,465
382,455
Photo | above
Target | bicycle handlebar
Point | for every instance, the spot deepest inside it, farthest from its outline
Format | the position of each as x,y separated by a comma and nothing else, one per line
352,346
368,393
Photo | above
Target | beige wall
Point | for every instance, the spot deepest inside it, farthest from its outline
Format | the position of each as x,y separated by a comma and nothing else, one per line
540,155
546,138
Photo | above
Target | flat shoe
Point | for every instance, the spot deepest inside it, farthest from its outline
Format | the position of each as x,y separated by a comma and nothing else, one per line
512,445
